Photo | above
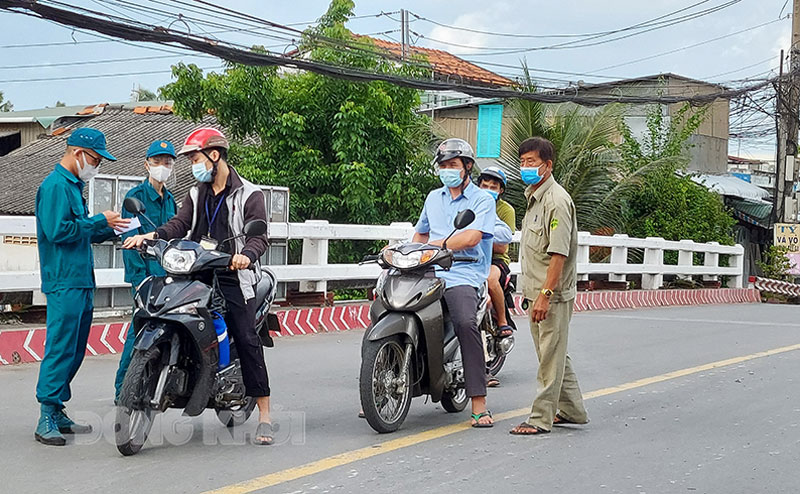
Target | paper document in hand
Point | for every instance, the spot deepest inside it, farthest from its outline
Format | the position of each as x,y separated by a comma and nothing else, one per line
133,225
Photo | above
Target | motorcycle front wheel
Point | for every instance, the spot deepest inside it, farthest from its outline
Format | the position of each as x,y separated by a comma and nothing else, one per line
384,386
133,423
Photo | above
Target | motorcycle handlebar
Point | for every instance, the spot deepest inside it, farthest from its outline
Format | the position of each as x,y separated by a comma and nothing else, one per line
464,259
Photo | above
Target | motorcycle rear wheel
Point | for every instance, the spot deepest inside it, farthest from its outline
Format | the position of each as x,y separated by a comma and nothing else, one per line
454,402
385,406
132,425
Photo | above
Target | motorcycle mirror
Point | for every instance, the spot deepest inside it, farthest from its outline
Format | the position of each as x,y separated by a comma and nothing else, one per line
463,219
255,228
133,205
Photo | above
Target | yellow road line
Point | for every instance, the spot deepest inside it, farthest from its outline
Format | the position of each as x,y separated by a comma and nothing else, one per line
348,457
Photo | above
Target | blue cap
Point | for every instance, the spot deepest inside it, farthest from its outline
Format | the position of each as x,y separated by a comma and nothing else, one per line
89,138
158,148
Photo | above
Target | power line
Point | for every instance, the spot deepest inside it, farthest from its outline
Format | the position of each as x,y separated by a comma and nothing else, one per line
693,45
379,14
582,43
97,76
547,36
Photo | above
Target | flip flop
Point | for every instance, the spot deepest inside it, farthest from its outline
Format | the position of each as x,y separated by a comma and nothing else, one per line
526,429
361,414
477,418
562,420
264,434
492,382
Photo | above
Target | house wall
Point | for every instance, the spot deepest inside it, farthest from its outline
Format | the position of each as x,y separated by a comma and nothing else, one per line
709,151
29,131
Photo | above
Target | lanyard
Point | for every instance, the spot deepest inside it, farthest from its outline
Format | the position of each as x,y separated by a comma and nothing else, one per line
216,211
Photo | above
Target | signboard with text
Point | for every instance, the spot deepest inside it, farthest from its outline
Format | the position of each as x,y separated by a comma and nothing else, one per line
787,235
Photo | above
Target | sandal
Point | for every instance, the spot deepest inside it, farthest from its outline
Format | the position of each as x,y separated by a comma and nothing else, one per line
492,382
264,434
477,418
526,429
504,331
562,420
361,414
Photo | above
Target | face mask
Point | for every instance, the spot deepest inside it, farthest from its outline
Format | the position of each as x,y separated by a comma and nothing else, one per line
200,172
530,175
160,173
493,193
450,177
87,172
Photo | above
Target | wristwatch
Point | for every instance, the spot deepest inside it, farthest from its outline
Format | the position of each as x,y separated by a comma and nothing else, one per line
547,292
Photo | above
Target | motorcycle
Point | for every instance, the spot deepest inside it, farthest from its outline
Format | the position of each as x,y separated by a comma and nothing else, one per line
497,348
410,349
183,356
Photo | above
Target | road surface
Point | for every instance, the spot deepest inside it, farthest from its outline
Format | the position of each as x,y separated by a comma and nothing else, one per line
698,399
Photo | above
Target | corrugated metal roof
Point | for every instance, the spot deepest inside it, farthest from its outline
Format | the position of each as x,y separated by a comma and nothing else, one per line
727,185
128,136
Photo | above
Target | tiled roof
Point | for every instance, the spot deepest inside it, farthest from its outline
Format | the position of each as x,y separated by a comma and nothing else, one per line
129,130
446,64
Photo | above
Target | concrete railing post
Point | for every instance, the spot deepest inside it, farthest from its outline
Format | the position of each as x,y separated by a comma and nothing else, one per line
583,253
686,258
737,261
711,259
315,251
653,275
619,255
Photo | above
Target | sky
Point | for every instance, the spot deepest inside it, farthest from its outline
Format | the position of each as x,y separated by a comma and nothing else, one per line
66,69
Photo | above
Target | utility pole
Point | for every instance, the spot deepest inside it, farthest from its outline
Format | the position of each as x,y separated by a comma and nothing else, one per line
404,32
788,112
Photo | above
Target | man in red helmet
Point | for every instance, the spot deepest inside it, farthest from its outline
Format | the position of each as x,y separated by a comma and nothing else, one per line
216,209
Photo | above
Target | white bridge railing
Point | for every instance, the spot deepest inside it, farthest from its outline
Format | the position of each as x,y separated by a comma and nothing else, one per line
315,271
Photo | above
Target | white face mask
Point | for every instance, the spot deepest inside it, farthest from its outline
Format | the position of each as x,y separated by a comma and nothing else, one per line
87,172
160,173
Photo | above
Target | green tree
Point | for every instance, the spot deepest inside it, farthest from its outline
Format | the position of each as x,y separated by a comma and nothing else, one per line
5,105
349,152
144,94
60,104
776,264
669,204
587,162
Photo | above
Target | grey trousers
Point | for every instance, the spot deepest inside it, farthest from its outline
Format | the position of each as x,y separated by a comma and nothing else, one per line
462,303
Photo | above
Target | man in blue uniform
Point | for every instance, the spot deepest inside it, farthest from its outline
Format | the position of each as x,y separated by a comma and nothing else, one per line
65,232
159,207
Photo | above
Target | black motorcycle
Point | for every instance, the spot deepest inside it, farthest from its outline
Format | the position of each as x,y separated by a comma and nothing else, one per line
410,349
183,357
497,348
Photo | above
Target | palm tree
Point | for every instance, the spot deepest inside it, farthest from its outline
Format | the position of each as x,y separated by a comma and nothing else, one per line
588,164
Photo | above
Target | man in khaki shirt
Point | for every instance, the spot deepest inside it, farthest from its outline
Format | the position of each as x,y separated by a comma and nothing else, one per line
548,258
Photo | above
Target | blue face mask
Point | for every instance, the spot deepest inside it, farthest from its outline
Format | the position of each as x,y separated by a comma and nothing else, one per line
200,172
493,193
530,175
450,177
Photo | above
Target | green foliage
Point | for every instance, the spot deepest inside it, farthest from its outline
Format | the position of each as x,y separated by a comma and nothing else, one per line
349,152
5,105
587,163
668,203
144,94
632,187
60,104
776,264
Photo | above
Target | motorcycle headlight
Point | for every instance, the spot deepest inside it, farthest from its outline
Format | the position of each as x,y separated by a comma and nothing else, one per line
406,261
190,308
178,261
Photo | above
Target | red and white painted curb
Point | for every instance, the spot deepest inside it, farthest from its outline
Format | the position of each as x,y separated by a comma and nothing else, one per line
775,286
27,345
